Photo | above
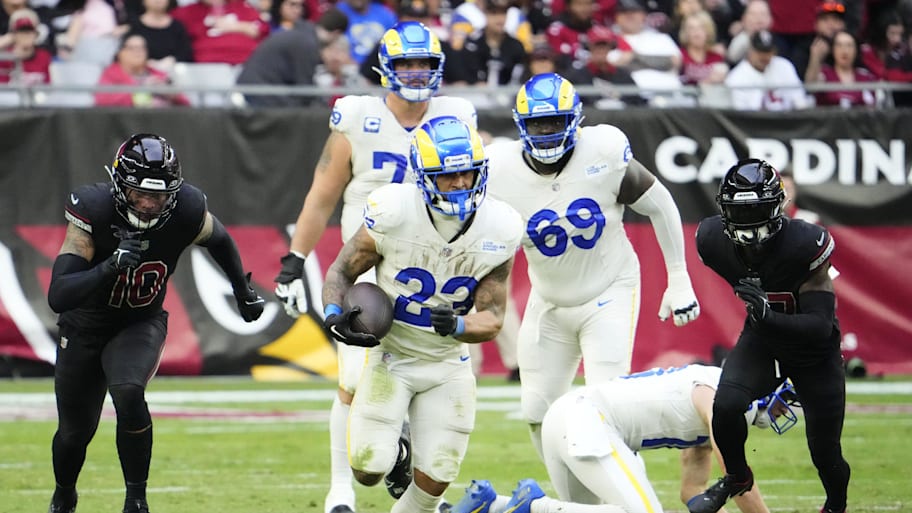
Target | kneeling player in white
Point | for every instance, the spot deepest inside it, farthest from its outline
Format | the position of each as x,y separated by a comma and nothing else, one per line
439,249
591,436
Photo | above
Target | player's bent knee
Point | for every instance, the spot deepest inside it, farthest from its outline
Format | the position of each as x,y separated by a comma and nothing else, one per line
730,401
533,409
130,405
430,485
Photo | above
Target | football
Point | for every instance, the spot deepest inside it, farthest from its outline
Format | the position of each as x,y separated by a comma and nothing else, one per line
376,317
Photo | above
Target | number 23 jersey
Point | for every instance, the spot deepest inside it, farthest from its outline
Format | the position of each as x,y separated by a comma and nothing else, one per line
380,146
420,269
574,236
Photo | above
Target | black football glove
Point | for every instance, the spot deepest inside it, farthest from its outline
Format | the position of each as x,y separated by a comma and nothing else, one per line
340,327
290,288
249,303
443,319
126,256
754,298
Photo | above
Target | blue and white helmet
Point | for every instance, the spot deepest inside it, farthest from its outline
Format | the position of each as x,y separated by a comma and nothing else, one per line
548,95
410,40
775,410
447,145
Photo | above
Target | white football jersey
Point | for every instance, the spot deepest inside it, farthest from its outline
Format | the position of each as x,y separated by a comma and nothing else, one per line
380,146
420,269
654,408
575,241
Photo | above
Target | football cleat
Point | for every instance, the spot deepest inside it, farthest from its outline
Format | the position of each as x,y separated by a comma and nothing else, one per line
63,504
829,510
135,506
478,498
400,476
715,496
526,491
62,508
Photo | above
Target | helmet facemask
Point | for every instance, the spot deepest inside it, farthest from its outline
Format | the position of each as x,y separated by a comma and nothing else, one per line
446,146
548,113
775,410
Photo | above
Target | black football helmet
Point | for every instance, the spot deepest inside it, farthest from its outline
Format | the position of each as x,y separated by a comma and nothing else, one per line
751,198
148,164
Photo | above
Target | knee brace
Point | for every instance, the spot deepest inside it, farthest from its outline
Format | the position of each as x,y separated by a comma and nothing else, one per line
130,405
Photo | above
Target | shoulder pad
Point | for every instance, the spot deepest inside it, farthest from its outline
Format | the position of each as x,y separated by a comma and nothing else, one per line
613,144
510,226
386,206
823,244
90,204
459,107
191,207
347,112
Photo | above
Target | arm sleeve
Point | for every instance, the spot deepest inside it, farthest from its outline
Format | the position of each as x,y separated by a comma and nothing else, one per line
815,322
223,249
73,279
657,204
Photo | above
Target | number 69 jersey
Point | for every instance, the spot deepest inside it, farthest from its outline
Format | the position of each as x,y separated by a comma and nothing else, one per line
575,241
420,270
380,146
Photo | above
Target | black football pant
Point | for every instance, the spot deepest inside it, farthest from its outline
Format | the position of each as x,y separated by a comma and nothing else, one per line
749,373
87,367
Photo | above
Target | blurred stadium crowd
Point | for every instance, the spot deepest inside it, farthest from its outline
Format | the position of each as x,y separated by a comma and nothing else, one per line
761,54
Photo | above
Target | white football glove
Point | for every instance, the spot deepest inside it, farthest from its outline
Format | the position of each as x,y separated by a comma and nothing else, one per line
679,299
293,297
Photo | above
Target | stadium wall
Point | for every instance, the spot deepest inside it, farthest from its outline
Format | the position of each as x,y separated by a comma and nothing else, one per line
853,168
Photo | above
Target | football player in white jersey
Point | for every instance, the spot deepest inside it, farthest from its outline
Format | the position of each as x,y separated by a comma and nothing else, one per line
591,436
570,184
438,249
367,147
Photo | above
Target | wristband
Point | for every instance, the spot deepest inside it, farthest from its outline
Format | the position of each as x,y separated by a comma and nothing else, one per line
297,254
331,309
460,326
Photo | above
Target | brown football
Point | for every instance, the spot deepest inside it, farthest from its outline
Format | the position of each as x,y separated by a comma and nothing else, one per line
376,317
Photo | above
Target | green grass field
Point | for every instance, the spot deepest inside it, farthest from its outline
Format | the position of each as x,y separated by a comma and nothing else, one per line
262,448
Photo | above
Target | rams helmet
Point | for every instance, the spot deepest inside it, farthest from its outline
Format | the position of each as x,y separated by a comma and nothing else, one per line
548,113
411,40
775,410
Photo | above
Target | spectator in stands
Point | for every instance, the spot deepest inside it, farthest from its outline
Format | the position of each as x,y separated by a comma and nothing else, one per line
491,57
602,13
415,10
599,72
167,40
567,34
131,67
651,49
764,80
30,64
540,60
830,20
793,29
222,30
283,14
701,65
7,8
291,58
845,71
367,22
756,17
886,54
683,9
96,28
337,70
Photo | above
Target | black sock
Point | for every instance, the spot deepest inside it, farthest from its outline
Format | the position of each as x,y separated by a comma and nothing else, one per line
135,452
136,490
64,495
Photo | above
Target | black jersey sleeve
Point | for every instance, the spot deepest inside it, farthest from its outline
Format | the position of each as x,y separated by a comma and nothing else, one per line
89,207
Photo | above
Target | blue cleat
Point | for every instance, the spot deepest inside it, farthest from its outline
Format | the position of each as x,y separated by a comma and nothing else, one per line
526,491
478,498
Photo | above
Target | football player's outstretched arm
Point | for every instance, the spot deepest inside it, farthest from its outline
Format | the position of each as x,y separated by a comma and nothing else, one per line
357,256
695,469
74,278
490,304
647,196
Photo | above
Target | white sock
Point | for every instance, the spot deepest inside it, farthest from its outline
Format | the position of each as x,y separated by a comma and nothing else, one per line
415,500
341,490
499,504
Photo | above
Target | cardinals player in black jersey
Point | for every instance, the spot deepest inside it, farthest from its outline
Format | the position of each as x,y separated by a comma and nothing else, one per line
778,267
122,243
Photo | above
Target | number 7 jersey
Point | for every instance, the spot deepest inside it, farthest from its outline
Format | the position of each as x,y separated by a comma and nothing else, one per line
574,236
380,146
